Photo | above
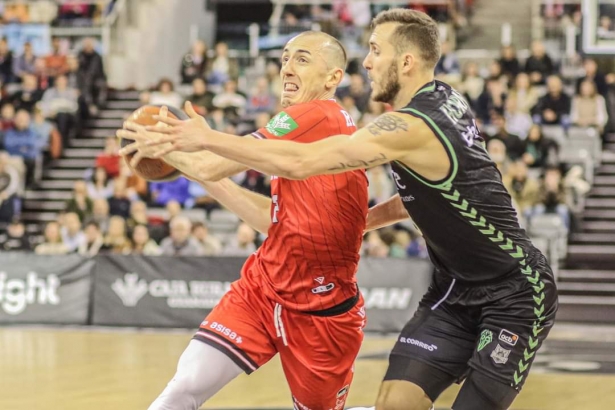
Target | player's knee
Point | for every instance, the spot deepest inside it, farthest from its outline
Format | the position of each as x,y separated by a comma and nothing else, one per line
481,391
402,395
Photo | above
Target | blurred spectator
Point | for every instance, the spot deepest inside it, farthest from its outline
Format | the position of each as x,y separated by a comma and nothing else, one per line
260,98
60,103
6,62
116,241
9,189
179,242
173,208
210,244
29,94
243,243
49,137
374,110
514,146
472,84
163,192
539,65
517,122
16,237
119,203
449,63
7,116
349,105
138,215
16,12
554,107
22,141
491,100
93,240
524,93
165,94
52,244
201,98
91,73
142,244
217,120
593,75
397,248
80,203
381,185
358,90
552,198
230,100
509,62
540,151
109,158
374,246
136,186
24,64
523,190
589,108
497,152
496,73
100,187
194,63
56,62
72,235
222,68
605,28
273,77
40,72
100,214
255,181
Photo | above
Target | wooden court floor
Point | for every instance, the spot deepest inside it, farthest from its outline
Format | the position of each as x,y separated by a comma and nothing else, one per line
104,369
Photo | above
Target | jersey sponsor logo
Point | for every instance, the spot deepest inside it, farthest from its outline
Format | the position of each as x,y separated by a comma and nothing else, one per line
342,391
471,133
455,107
397,180
179,294
281,125
223,330
298,405
486,337
322,289
500,355
320,279
349,120
17,294
418,343
508,337
387,298
408,198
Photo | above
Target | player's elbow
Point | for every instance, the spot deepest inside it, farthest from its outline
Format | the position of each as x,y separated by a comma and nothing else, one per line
294,169
210,174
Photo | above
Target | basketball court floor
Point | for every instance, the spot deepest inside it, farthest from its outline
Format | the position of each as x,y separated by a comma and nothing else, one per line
47,368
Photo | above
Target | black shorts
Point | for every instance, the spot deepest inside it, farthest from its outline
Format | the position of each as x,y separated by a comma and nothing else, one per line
494,329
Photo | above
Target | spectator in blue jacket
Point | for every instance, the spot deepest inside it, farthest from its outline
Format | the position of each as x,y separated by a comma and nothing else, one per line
24,142
163,192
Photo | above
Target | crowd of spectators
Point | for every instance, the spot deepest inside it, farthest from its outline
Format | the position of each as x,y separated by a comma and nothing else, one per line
110,210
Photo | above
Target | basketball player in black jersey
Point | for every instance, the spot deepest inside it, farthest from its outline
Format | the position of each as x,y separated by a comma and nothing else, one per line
493,298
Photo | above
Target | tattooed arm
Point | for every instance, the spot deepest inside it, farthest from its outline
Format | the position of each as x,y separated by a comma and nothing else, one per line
390,137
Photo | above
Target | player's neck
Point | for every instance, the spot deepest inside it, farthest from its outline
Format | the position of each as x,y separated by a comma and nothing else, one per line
409,90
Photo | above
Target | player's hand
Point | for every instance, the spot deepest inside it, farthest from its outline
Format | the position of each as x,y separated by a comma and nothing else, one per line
140,135
181,135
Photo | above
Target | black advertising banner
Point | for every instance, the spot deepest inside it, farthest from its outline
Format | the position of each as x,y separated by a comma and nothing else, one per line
44,289
392,289
160,291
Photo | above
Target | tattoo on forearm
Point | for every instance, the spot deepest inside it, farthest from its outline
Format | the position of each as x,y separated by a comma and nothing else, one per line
359,163
387,123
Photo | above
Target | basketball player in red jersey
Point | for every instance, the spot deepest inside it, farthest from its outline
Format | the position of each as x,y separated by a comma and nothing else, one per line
297,295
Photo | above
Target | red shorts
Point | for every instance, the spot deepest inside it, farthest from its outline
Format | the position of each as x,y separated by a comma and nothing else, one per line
317,352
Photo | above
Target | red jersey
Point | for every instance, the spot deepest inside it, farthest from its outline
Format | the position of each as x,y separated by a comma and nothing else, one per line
309,259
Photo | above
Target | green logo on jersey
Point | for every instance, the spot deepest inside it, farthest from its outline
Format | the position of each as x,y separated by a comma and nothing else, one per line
281,125
486,337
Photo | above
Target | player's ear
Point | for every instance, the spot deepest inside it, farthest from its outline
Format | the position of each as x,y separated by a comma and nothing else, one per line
408,61
334,78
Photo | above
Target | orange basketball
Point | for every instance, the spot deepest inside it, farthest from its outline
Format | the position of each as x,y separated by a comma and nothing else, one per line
152,169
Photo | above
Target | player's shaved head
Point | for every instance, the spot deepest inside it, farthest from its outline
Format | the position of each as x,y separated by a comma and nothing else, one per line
328,46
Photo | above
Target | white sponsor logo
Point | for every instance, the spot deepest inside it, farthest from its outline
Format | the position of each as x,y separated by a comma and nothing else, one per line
220,328
180,294
320,279
408,198
387,298
508,337
397,179
322,289
418,343
17,294
500,355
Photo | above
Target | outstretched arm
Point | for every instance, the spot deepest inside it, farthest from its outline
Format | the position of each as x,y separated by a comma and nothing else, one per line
386,213
384,140
254,209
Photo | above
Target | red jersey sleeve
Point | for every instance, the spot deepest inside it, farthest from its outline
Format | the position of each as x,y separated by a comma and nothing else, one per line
301,123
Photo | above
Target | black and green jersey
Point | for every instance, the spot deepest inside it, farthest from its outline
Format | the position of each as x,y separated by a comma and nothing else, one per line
467,218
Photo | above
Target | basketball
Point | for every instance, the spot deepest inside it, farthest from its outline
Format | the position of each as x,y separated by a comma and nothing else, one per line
151,169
